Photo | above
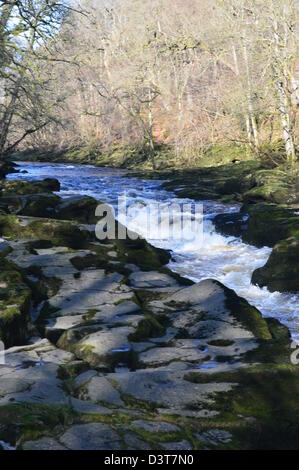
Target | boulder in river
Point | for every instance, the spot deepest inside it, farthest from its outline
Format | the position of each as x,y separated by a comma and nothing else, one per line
259,224
281,272
79,208
21,187
6,168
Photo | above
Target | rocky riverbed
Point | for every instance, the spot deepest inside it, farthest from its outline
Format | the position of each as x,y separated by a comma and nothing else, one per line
106,348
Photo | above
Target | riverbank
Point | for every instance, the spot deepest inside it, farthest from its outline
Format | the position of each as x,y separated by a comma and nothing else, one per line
108,349
136,157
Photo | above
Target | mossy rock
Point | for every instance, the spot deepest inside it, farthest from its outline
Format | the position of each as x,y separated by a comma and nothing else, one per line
213,182
231,224
15,298
249,316
60,233
40,205
269,223
261,410
277,193
9,225
21,188
281,272
273,185
224,153
33,421
147,328
79,208
141,253
234,185
279,332
12,204
259,224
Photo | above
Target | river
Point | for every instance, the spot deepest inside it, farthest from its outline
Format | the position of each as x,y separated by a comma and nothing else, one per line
226,259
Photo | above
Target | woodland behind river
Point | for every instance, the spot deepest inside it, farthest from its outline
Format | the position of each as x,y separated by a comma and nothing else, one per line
183,76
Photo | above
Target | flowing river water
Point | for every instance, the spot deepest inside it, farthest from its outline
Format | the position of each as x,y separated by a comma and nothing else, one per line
212,255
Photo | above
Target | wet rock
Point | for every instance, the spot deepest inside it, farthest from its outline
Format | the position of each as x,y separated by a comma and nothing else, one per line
40,205
210,310
229,180
12,204
45,443
102,348
61,233
168,337
31,374
139,252
92,436
155,427
140,347
231,224
151,279
15,299
55,327
84,378
123,312
89,293
268,224
281,272
215,437
20,187
80,208
4,248
83,406
99,390
133,442
181,445
35,205
167,389
159,356
272,185
14,386
149,351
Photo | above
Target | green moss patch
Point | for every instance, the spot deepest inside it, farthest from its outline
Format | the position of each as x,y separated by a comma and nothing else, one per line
15,299
25,421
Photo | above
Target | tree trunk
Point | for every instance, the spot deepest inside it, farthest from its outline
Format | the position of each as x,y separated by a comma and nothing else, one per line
6,121
150,128
246,116
295,91
285,122
249,98
283,103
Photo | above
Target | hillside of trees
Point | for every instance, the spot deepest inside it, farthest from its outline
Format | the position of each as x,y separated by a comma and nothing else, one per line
149,74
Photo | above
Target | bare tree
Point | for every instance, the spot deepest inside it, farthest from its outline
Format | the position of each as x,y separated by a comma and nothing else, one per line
27,29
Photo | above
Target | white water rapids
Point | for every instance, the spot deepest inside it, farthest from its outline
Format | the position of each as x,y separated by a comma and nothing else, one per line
226,259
